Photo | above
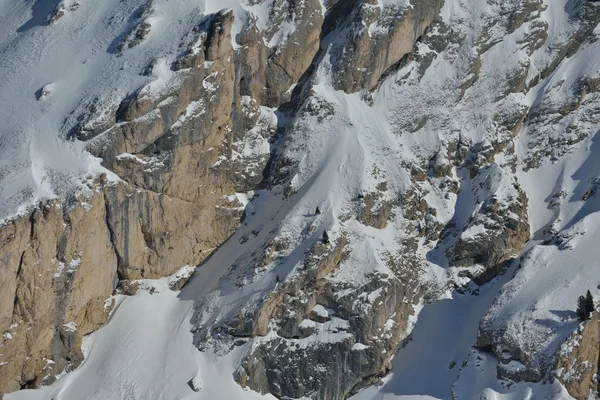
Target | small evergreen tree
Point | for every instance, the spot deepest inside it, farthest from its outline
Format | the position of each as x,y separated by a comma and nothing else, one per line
582,312
589,303
317,211
325,237
277,278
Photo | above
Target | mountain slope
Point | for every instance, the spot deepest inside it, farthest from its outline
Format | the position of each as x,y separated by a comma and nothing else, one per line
353,178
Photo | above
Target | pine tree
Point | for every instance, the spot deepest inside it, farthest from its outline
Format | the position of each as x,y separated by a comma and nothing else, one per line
589,303
317,211
582,313
325,237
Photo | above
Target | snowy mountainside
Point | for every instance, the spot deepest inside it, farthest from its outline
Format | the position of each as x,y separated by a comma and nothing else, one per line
77,61
393,199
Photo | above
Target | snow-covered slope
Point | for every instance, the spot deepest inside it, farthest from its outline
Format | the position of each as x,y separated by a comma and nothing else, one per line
424,224
64,60
151,333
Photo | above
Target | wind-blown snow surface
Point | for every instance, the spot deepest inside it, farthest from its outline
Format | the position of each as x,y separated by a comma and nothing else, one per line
145,350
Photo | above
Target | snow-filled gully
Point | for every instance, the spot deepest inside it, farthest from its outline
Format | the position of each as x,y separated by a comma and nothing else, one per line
429,364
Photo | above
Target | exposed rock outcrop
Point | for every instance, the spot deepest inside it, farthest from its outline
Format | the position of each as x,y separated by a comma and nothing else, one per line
323,319
63,6
577,363
55,287
377,39
495,234
375,210
291,359
268,70
173,147
64,261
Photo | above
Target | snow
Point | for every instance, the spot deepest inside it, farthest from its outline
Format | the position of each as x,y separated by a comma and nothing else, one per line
146,350
70,326
71,59
431,365
473,231
322,312
536,309
152,335
127,156
73,265
478,380
442,336
71,62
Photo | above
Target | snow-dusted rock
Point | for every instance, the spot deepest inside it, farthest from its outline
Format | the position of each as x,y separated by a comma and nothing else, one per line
437,140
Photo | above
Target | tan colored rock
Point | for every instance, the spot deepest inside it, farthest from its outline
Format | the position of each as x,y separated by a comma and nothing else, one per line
276,366
368,55
266,312
328,259
218,43
509,231
154,234
375,212
172,151
578,360
268,73
62,264
28,317
65,272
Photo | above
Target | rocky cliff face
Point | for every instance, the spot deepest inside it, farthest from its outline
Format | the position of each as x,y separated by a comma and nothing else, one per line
394,146
179,152
578,361
64,261
55,289
359,337
375,40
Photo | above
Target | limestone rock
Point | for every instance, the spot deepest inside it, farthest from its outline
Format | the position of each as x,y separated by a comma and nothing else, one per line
289,365
577,362
495,233
268,70
377,39
174,206
56,286
375,210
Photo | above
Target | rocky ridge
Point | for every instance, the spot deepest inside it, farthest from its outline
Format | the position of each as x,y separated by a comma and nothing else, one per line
175,203
430,202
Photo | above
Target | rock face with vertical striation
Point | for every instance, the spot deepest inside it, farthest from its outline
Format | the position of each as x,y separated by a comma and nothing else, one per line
55,288
357,159
375,39
178,149
578,359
